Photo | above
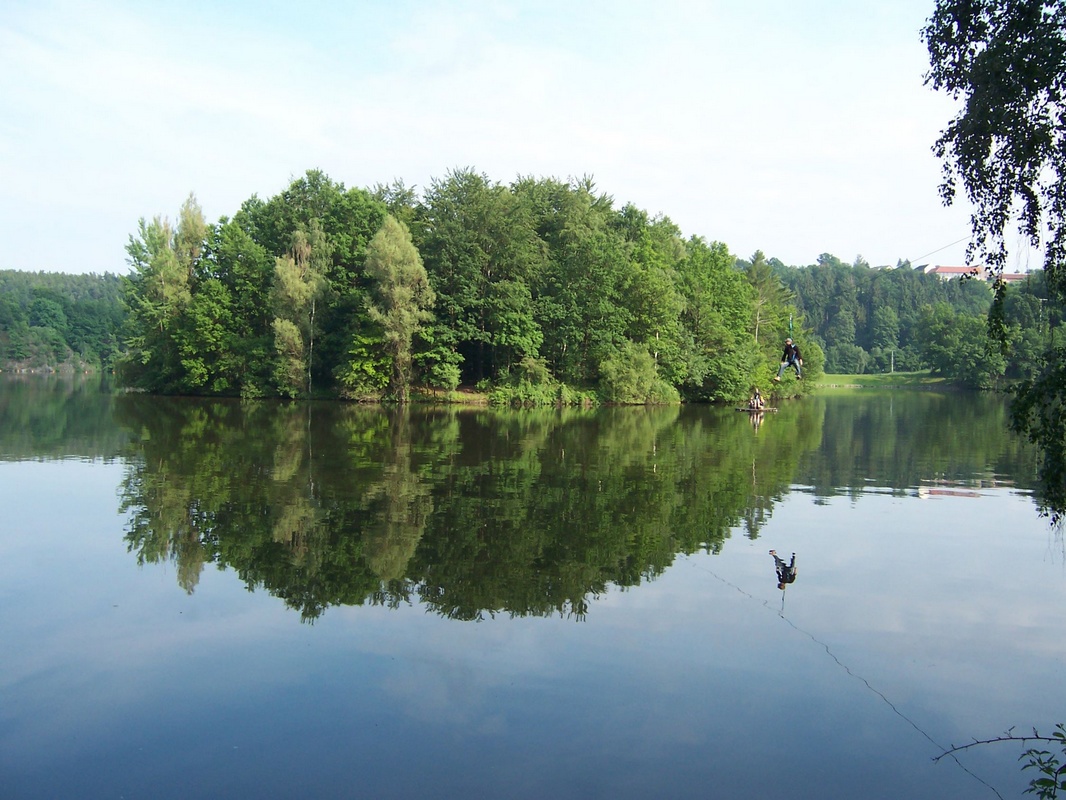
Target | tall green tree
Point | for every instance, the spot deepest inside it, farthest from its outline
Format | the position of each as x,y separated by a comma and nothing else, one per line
191,234
400,199
724,356
770,302
585,299
204,340
157,292
956,346
653,299
482,255
402,297
244,272
348,219
299,282
580,296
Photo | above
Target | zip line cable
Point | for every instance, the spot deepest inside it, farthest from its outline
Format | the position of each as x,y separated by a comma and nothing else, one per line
934,252
1017,257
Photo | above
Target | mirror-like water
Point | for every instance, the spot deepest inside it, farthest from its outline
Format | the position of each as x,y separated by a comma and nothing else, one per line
225,599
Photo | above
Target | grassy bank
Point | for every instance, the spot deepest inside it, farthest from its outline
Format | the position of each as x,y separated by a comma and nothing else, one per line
888,380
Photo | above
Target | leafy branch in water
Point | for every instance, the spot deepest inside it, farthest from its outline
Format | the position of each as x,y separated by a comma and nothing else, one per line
1047,763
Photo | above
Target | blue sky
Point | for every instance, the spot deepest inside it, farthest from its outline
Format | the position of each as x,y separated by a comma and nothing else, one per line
794,128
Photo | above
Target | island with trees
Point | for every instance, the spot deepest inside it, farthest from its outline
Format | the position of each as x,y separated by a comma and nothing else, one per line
541,291
537,292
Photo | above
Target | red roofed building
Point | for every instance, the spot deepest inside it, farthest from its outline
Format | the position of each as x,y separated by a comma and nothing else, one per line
947,273
976,271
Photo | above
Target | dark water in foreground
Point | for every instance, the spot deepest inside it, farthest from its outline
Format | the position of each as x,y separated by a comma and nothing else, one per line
216,599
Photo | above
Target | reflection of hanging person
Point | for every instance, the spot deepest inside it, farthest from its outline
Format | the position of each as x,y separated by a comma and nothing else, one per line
786,573
790,358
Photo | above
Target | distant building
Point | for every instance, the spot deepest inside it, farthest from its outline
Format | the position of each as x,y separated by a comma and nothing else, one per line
975,271
948,273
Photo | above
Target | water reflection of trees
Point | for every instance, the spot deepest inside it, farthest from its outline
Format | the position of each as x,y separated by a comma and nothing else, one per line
900,440
471,512
476,512
523,513
57,416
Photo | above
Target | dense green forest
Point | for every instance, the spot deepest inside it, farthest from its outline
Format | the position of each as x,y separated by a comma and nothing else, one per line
538,291
53,320
871,320
879,320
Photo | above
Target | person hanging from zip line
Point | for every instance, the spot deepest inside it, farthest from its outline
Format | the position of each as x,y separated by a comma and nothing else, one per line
790,358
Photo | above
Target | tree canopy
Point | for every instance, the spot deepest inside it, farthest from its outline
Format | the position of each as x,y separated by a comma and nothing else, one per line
1006,61
323,290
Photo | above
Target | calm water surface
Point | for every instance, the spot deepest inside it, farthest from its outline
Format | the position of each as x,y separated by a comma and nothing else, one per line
217,599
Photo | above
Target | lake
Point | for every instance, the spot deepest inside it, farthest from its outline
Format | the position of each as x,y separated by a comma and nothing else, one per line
265,600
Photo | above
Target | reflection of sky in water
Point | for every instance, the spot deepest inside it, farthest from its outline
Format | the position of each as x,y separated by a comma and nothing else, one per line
911,619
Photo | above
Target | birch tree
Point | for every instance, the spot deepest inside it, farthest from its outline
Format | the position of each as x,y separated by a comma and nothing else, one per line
402,297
